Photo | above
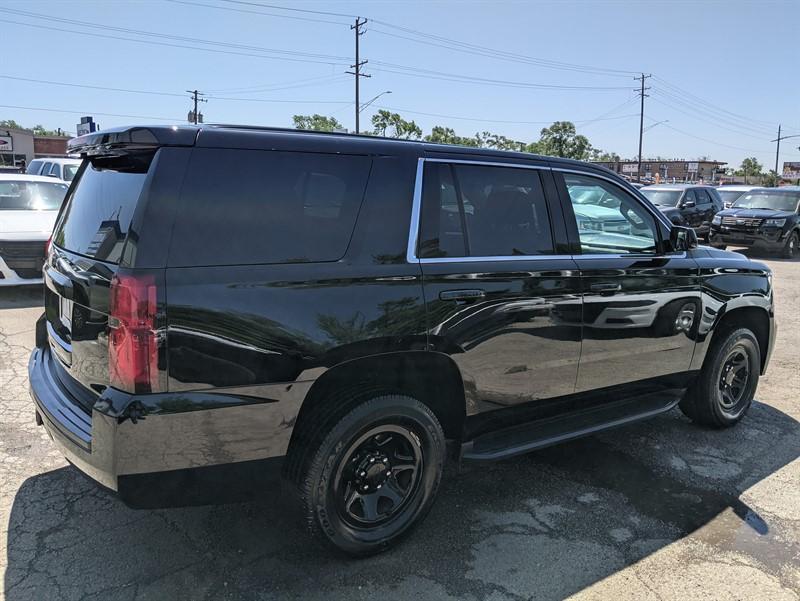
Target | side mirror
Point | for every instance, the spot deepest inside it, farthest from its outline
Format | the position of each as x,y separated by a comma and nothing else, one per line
52,175
688,204
682,238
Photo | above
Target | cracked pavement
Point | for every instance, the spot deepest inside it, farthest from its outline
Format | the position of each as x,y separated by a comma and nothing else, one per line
656,510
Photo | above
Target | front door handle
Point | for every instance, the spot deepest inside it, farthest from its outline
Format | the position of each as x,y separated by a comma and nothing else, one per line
462,295
605,287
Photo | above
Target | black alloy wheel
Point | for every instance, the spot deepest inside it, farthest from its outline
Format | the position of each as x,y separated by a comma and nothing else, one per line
373,474
733,378
380,473
724,390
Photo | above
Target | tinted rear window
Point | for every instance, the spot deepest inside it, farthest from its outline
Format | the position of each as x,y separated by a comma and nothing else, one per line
98,213
242,207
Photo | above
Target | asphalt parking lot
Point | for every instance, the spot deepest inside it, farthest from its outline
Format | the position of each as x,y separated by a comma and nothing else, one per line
657,510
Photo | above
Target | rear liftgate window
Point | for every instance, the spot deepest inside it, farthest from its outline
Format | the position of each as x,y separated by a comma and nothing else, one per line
98,213
243,207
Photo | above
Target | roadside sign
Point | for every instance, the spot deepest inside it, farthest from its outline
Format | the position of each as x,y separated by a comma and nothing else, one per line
692,167
791,170
6,144
630,168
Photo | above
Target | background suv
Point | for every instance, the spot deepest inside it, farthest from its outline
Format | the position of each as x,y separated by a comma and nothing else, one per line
766,219
691,205
247,306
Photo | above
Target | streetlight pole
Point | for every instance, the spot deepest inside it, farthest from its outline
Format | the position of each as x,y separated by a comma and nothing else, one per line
368,102
778,147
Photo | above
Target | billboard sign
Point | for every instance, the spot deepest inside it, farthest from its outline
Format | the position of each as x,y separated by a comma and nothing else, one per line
6,144
791,170
692,167
630,168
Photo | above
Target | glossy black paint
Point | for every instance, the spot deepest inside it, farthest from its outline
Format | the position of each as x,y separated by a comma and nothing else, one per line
696,207
244,347
746,227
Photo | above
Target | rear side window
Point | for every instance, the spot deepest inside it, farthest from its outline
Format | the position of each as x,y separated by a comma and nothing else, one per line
98,213
241,207
483,211
34,167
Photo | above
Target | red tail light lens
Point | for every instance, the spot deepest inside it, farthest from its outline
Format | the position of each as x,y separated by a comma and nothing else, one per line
132,339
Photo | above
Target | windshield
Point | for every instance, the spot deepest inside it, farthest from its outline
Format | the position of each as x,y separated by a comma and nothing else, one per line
31,196
664,198
776,201
730,195
70,171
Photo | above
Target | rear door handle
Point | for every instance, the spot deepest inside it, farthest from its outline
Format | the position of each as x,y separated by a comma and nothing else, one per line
461,295
605,287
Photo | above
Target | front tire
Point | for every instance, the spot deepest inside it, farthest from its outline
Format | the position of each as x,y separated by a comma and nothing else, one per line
726,385
374,475
790,250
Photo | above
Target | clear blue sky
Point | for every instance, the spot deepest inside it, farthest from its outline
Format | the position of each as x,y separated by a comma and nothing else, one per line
725,73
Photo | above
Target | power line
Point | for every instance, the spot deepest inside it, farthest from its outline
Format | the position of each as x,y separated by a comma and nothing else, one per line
256,12
286,55
299,10
69,111
456,77
153,92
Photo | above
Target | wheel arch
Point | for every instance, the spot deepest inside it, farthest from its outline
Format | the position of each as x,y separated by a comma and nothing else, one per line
755,318
430,377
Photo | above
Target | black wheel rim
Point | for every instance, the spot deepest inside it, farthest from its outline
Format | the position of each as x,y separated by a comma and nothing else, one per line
734,377
378,476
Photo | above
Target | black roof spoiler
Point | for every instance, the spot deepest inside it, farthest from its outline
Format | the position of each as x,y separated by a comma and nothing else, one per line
124,140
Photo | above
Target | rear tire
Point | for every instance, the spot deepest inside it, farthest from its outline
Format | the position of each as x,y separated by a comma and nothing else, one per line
724,390
790,250
374,476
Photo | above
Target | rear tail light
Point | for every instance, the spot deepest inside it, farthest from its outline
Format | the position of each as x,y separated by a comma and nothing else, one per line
132,339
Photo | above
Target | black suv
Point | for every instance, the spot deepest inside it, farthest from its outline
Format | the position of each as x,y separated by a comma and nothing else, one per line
231,305
691,205
766,219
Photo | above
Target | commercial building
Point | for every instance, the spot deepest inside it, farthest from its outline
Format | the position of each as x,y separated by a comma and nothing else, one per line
674,170
19,147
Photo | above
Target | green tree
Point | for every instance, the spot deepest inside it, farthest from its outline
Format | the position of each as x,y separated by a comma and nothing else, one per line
489,140
10,123
750,167
447,135
316,122
562,140
771,179
385,123
600,155
41,130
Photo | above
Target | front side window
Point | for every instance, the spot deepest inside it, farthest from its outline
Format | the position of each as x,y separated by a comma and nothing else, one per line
69,172
483,211
702,197
55,170
615,224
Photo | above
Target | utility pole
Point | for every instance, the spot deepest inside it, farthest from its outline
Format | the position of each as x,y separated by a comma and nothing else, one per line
778,148
194,115
641,124
356,69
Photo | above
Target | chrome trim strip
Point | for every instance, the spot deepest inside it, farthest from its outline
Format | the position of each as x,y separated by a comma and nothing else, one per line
416,207
653,211
486,163
413,234
497,259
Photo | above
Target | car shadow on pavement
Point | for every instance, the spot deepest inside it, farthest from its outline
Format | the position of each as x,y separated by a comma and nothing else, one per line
19,297
542,526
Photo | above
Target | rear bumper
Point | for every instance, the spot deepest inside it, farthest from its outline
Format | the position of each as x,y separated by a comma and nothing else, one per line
203,452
